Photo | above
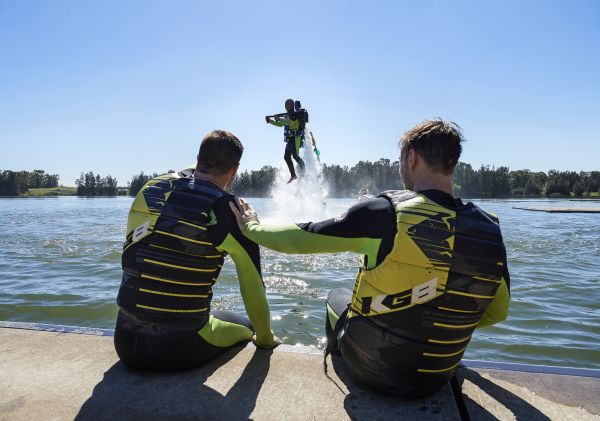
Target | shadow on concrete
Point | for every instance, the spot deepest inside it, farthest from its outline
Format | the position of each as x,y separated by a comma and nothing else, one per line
521,409
361,401
127,394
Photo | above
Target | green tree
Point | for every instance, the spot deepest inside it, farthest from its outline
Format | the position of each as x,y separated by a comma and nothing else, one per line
561,183
465,177
518,180
256,183
578,188
139,181
532,188
10,184
92,185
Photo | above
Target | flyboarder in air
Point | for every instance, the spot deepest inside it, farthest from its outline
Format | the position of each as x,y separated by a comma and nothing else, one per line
293,121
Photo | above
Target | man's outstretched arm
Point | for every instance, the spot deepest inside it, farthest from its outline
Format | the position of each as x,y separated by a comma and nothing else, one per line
280,123
252,289
246,257
361,230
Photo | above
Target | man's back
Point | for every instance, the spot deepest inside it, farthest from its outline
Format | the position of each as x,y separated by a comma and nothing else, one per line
415,312
169,260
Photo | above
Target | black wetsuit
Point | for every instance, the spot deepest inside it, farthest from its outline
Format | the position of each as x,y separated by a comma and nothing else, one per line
294,135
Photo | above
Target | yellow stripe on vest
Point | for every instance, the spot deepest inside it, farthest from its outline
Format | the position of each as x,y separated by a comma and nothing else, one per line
171,310
425,370
466,294
192,225
156,262
459,311
216,256
156,278
456,341
170,294
182,238
455,326
486,279
428,354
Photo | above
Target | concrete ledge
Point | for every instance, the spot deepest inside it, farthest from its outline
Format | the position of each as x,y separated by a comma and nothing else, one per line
54,375
58,328
500,394
48,375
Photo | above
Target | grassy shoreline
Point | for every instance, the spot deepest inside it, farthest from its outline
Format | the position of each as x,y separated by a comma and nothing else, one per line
51,191
62,191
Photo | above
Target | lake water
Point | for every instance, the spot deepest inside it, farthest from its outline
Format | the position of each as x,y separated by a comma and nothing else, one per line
60,263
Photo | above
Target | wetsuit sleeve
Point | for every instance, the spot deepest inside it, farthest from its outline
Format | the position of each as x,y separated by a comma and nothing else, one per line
228,238
497,311
280,123
362,229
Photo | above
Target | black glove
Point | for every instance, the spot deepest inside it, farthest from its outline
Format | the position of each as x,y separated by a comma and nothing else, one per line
267,119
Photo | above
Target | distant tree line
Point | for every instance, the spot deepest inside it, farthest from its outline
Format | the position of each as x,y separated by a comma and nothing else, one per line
89,184
501,182
92,185
254,183
14,183
377,176
486,182
344,181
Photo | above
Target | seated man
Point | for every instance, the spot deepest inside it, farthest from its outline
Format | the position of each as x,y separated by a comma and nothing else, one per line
178,232
433,269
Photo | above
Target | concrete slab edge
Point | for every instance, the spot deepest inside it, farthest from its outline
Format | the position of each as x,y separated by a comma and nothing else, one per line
302,349
45,327
57,328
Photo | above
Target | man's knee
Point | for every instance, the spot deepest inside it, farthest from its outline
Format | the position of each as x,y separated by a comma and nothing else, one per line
231,317
225,329
338,299
338,302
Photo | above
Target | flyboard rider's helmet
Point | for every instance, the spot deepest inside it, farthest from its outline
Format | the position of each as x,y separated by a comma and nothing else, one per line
289,105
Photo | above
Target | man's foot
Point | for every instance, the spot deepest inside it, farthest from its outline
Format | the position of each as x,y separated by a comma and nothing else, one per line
292,178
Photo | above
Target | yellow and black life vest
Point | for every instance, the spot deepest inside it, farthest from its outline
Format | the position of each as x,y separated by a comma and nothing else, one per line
292,129
412,316
169,262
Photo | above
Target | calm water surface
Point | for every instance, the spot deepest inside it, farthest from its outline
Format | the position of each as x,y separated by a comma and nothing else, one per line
60,263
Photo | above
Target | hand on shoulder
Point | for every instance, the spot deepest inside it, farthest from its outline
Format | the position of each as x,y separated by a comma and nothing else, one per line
244,213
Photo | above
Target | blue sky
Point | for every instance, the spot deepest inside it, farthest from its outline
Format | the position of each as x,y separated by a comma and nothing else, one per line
122,86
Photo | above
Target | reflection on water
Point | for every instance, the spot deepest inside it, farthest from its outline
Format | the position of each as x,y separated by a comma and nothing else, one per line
60,263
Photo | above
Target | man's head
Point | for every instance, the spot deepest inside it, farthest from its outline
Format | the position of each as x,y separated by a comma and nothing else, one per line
430,151
289,105
220,154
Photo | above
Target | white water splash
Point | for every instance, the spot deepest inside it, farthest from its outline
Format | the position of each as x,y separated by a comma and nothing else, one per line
301,200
